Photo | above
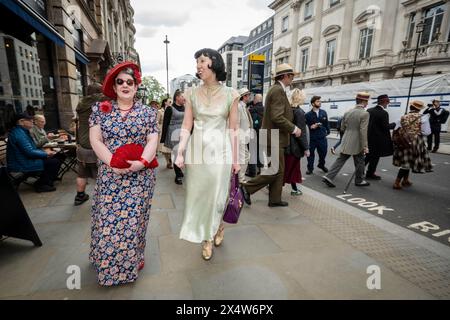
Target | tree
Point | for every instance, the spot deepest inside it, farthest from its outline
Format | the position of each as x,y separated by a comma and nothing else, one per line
154,90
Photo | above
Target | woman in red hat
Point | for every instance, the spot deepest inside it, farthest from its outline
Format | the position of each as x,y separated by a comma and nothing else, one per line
123,193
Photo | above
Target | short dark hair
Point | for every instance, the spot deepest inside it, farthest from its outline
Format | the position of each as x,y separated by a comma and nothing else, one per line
94,88
218,65
177,93
163,102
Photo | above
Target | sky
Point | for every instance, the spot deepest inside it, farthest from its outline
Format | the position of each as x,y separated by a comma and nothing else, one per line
190,25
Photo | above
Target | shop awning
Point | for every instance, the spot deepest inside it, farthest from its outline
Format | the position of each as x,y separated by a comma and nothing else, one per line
35,20
80,56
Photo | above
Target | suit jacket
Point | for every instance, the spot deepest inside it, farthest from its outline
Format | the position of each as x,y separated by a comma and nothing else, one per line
322,131
278,115
245,123
354,125
379,135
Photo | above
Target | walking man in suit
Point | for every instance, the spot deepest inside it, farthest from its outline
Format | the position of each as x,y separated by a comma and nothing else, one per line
379,136
277,116
354,142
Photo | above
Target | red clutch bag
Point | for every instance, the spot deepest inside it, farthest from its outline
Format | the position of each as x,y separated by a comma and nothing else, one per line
129,152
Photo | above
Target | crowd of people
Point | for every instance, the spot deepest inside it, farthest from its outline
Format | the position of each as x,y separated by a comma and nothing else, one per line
226,126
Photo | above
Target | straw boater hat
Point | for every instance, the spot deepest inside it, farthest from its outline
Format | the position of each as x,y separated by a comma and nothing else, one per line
416,104
283,69
243,91
108,83
363,96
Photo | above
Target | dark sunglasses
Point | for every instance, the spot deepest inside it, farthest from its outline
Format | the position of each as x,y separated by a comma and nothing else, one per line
130,82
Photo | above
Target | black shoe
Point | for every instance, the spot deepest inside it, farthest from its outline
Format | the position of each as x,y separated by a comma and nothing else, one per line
246,195
434,150
179,181
308,172
362,184
324,169
328,182
373,177
278,204
44,188
80,199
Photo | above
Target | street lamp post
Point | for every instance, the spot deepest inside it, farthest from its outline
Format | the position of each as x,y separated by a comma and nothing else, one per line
167,64
419,30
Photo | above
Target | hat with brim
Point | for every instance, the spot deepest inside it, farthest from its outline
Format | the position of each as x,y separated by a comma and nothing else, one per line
363,96
108,83
416,104
382,97
283,69
24,115
243,92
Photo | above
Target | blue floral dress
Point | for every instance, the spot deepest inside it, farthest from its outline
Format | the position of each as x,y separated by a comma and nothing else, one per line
121,203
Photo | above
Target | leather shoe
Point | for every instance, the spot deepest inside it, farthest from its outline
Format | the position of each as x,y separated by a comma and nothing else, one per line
373,177
362,184
246,195
328,182
323,168
178,180
278,204
308,172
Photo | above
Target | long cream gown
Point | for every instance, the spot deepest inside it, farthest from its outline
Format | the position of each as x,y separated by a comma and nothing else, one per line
208,161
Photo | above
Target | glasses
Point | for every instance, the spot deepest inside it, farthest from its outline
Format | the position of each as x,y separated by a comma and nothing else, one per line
130,82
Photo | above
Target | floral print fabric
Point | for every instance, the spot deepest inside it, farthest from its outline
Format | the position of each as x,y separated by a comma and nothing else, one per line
121,203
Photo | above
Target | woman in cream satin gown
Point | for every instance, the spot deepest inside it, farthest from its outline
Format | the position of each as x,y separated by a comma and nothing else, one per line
211,109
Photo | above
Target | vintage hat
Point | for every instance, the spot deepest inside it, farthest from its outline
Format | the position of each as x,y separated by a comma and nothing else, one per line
24,115
283,69
416,104
363,96
108,84
315,98
382,97
243,91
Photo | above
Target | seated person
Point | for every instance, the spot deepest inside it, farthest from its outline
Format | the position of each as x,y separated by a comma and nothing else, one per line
40,137
22,155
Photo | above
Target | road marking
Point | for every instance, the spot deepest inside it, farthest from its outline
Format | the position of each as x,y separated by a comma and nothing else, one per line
361,202
446,162
384,170
345,174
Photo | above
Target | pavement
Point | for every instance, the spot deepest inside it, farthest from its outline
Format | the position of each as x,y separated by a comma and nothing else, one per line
317,248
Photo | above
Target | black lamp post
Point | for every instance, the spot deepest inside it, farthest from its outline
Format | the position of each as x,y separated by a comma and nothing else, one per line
167,64
419,30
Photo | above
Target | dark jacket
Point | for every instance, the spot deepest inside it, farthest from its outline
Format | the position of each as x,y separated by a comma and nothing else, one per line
22,155
257,113
298,146
322,131
378,132
437,118
278,115
84,110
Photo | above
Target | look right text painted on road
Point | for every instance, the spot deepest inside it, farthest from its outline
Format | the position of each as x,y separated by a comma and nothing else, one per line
361,202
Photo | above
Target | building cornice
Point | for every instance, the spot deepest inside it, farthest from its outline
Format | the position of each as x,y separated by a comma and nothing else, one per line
331,30
89,15
277,4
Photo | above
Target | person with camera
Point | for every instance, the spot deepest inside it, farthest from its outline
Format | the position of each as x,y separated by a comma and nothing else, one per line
319,129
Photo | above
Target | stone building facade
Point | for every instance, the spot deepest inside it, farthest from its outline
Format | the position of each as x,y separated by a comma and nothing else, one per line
333,42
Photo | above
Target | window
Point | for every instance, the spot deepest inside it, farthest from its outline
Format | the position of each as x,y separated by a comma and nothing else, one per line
25,79
23,65
29,79
309,9
432,27
37,93
239,73
32,67
331,50
26,92
285,24
270,23
239,61
305,57
26,53
21,51
411,29
334,2
35,82
28,67
365,41
270,54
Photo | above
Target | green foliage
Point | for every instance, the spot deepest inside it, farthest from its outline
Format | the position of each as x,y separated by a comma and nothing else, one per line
155,91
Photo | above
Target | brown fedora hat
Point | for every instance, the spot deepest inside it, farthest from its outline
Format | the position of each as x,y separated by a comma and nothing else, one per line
417,104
